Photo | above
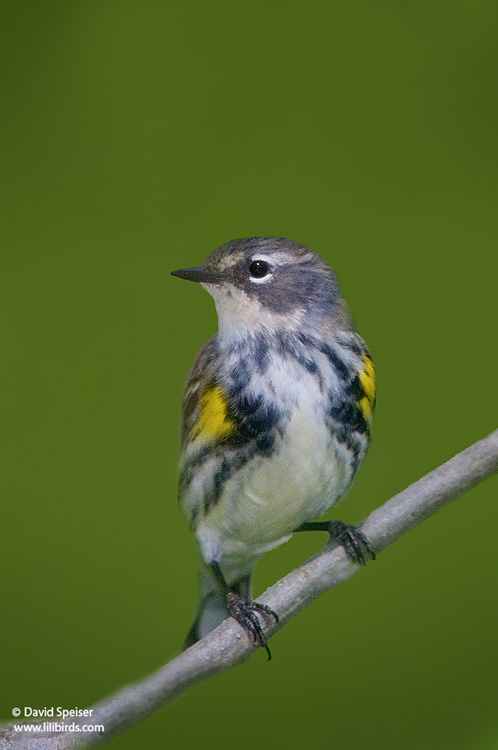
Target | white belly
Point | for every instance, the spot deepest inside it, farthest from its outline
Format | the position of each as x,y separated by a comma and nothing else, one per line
270,497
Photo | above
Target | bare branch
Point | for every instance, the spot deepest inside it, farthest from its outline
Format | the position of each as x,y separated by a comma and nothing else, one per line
228,645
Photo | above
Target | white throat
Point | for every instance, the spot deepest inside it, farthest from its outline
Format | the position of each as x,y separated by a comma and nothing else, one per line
241,315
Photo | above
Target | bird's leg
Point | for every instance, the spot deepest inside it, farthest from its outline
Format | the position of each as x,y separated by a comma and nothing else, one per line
244,610
353,540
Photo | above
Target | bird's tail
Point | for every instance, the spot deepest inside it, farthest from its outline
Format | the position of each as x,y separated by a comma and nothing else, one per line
212,607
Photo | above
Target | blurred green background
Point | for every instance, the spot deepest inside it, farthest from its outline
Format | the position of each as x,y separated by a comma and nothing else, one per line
138,136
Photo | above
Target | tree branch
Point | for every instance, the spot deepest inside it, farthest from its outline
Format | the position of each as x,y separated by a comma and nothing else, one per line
228,644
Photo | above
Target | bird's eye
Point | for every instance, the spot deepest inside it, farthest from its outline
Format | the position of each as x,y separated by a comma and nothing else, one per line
259,268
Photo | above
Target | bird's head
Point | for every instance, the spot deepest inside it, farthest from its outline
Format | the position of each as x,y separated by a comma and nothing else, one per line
268,283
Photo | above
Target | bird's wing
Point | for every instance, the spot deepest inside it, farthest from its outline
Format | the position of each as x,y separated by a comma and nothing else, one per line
223,426
216,412
205,416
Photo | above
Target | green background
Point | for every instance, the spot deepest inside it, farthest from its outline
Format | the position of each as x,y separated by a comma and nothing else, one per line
138,136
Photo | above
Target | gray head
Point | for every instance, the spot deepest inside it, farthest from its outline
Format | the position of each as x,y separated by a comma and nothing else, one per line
269,282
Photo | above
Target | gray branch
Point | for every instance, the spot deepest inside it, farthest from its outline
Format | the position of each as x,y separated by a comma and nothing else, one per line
229,645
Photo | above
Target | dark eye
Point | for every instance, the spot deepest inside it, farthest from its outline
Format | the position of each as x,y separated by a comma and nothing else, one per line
259,268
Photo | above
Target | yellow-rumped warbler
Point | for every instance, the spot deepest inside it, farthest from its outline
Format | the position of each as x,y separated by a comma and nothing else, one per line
276,418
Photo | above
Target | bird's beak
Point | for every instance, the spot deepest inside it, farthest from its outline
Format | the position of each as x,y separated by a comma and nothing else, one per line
198,274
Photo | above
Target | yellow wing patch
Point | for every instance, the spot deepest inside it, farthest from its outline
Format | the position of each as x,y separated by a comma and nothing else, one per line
214,421
367,381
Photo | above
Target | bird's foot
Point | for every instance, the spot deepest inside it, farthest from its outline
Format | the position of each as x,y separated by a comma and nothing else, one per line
246,613
354,541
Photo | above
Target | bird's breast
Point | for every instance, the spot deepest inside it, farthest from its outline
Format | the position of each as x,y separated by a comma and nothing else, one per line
303,475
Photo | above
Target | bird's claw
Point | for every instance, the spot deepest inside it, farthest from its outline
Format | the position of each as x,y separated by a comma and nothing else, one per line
354,541
245,612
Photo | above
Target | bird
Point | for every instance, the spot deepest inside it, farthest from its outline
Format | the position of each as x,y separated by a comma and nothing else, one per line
276,420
